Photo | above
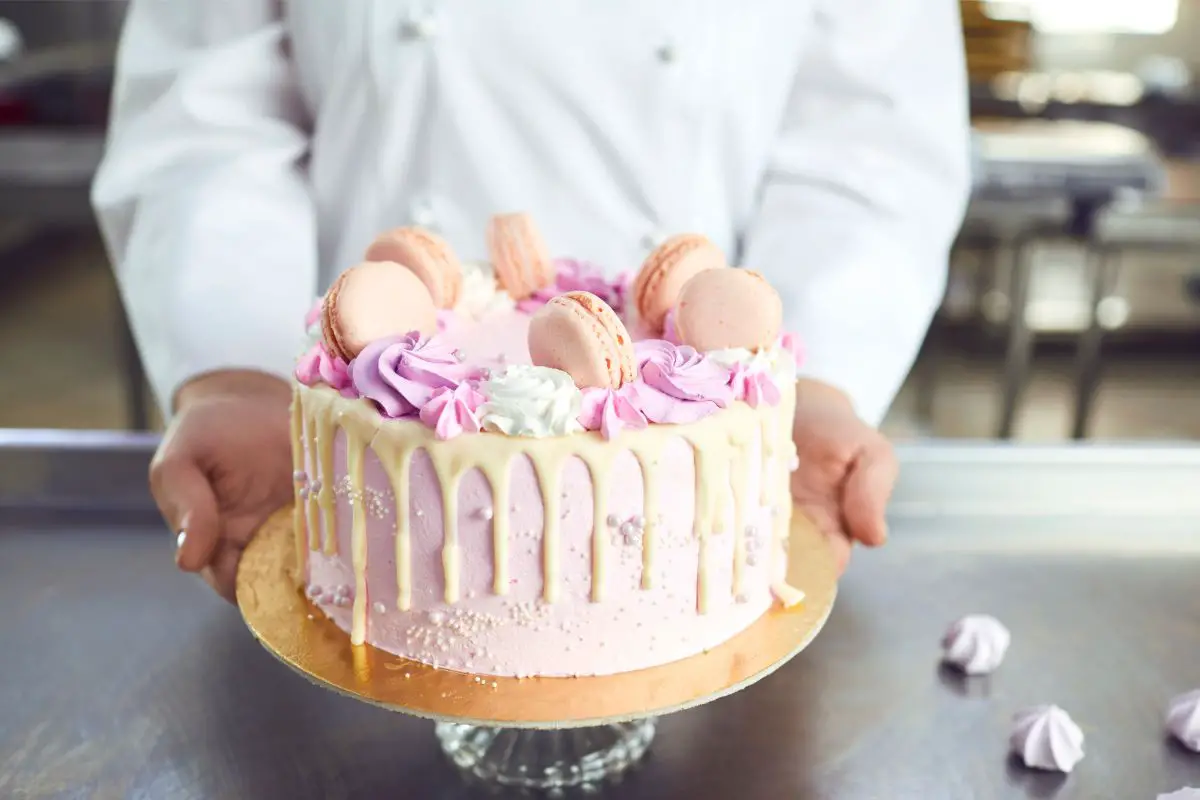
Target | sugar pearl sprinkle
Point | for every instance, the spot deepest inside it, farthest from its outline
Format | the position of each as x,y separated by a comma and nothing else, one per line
485,513
379,607
300,476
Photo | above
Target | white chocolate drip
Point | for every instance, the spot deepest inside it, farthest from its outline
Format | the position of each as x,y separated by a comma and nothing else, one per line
723,447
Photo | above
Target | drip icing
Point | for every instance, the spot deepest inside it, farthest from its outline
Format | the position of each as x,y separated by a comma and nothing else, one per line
548,472
355,450
324,441
498,477
648,457
722,446
600,470
299,507
397,468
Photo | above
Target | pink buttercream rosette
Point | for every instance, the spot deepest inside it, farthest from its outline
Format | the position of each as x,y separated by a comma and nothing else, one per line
319,366
611,411
453,412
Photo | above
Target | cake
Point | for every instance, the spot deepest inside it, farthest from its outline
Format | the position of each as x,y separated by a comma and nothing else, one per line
523,468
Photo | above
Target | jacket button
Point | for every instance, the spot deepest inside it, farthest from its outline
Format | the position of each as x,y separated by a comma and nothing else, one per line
419,27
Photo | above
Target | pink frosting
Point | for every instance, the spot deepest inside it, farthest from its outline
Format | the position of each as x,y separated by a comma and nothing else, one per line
451,412
678,384
754,386
314,314
319,366
572,275
401,374
791,343
611,411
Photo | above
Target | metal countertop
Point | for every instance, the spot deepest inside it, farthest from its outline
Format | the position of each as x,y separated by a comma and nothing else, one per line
122,678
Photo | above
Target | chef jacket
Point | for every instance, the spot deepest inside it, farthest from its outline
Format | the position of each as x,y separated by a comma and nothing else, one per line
257,147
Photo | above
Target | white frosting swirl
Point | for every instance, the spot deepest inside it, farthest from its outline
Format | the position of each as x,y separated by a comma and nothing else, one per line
1183,719
976,644
774,360
1045,737
531,401
480,296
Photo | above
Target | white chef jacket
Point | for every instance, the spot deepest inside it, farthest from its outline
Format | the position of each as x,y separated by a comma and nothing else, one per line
257,147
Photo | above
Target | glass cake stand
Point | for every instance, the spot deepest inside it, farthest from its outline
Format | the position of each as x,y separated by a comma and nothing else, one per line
537,733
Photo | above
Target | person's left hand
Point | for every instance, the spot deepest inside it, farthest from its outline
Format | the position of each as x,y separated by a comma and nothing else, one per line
846,472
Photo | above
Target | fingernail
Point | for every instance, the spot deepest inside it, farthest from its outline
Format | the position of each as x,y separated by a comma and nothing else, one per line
180,539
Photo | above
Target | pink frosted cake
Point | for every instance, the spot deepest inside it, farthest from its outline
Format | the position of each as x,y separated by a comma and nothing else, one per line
512,484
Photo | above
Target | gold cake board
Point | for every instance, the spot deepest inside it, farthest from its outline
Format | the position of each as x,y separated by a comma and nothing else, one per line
303,638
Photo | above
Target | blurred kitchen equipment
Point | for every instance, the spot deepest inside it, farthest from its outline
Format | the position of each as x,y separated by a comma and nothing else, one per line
1027,171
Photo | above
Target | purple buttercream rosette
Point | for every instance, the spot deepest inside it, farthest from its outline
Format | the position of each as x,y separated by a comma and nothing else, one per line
678,384
611,411
401,374
319,366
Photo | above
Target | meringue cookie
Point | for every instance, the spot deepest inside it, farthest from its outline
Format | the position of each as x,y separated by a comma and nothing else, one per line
976,644
1183,719
1045,737
1186,793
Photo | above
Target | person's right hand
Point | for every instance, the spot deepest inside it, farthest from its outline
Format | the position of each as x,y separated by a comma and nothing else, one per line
223,467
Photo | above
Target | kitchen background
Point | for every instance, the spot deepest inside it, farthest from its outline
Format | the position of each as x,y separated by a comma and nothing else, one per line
1073,308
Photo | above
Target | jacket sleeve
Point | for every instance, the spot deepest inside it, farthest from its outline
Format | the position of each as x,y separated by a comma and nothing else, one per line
202,197
865,190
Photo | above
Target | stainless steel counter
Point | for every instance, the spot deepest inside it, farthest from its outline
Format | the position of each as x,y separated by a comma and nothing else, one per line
124,679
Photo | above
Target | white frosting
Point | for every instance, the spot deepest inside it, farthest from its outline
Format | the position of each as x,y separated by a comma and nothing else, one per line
775,360
531,401
976,644
1045,737
1186,793
1183,719
480,296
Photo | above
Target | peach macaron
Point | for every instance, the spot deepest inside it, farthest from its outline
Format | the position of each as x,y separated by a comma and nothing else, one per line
427,256
581,335
519,255
664,272
727,308
373,300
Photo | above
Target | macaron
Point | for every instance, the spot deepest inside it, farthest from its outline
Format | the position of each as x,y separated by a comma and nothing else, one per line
726,308
519,255
581,335
427,255
664,272
373,300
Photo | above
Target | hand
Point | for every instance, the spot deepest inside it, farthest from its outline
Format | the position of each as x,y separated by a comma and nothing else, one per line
223,467
846,473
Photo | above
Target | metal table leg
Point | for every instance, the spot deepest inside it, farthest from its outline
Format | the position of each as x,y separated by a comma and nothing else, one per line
1019,353
1102,264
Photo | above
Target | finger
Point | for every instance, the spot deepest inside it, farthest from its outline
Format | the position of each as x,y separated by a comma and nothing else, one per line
867,491
186,500
841,547
221,573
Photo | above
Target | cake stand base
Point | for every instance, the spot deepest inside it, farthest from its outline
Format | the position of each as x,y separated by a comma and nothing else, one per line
546,759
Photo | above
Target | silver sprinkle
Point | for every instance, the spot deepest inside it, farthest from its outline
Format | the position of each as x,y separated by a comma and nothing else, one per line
437,617
613,521
304,492
299,476
315,486
752,558
485,513
751,531
343,591
380,608
314,591
639,522
420,513
341,601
